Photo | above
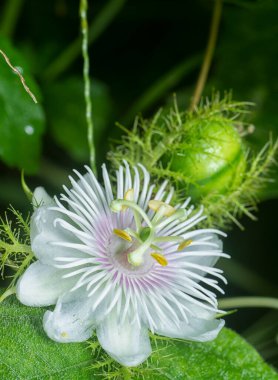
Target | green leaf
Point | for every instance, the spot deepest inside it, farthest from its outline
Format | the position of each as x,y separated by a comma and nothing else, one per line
229,357
26,353
21,120
66,112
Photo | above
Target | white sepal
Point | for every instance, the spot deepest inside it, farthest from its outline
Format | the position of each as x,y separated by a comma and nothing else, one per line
41,285
71,320
196,329
41,198
127,343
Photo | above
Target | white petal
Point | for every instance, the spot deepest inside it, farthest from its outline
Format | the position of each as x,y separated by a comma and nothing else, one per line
43,221
197,329
208,261
44,233
41,285
127,343
72,319
41,198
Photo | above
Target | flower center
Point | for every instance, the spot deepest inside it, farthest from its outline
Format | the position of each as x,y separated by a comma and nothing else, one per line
143,241
119,251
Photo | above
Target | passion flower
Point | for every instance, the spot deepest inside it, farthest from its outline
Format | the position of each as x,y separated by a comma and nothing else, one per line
121,263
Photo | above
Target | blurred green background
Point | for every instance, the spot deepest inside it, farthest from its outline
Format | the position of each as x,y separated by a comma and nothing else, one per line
141,52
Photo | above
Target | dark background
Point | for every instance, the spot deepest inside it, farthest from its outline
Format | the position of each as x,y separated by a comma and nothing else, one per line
147,51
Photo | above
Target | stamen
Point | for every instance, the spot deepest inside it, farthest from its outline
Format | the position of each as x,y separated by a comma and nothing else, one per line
156,247
132,233
118,204
166,239
122,234
155,205
184,244
180,214
159,258
129,196
136,257
159,215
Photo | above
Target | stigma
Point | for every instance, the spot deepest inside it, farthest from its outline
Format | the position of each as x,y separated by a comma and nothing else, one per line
145,233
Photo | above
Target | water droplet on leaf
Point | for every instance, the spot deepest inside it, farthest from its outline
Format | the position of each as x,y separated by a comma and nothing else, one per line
29,130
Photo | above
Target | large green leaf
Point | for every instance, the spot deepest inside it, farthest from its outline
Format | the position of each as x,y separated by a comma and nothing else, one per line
26,353
21,120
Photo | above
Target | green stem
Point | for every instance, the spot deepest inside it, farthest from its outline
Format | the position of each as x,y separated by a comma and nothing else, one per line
87,85
8,292
208,54
69,55
25,187
18,248
10,16
238,302
17,72
25,263
162,86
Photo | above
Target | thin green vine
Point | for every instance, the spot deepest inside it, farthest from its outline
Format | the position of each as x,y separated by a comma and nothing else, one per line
87,85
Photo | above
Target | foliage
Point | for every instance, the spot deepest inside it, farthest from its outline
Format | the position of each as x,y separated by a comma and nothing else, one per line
15,250
142,56
27,353
21,121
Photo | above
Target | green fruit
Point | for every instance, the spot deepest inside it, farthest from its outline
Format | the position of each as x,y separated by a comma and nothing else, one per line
210,156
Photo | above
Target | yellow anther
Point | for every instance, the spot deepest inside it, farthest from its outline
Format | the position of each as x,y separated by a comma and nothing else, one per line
184,244
159,258
155,205
122,234
129,195
64,334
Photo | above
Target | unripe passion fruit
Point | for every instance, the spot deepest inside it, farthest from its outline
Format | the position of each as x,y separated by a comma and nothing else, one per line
210,156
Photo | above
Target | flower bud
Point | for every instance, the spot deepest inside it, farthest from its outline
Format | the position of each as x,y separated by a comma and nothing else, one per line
210,156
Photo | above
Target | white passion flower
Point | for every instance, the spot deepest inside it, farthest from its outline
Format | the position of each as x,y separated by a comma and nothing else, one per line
122,264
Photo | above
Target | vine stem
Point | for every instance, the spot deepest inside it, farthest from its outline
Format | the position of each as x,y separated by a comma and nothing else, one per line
7,293
208,54
238,302
87,85
68,56
16,71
